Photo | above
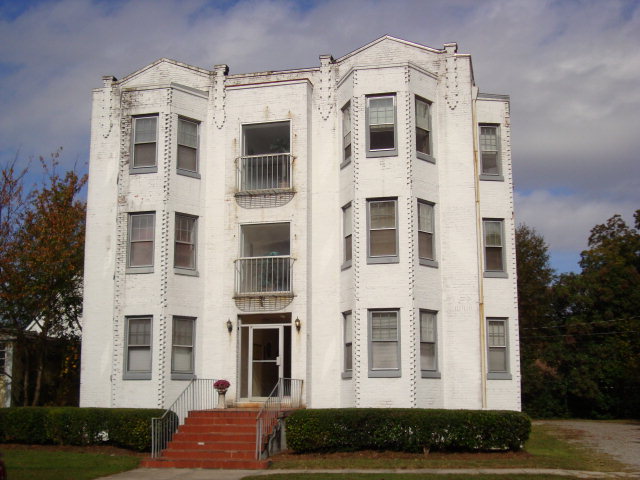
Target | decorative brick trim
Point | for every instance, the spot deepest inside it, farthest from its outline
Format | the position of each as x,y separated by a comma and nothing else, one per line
359,324
218,93
326,87
452,83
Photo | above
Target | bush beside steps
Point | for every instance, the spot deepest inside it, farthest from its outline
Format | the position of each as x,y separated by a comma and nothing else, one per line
406,430
122,427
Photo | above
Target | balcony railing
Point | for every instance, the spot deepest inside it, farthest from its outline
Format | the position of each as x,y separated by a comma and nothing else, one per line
264,173
263,275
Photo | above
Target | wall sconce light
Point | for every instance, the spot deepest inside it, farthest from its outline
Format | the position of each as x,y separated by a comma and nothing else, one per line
229,326
297,324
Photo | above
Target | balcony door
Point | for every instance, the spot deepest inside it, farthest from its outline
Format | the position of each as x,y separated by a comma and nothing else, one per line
265,356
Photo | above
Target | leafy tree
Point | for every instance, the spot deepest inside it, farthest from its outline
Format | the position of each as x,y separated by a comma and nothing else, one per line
42,265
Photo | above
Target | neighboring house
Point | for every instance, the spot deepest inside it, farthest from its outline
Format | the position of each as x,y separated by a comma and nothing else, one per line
350,225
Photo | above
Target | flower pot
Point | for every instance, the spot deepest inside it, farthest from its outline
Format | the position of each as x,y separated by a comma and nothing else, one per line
221,399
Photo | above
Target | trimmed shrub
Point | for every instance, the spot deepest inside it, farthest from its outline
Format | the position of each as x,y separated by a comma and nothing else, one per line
123,427
406,430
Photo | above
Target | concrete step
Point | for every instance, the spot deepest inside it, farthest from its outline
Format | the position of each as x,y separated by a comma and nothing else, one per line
202,463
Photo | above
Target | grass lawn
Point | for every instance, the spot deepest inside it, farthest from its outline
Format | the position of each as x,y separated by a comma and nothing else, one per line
548,447
29,463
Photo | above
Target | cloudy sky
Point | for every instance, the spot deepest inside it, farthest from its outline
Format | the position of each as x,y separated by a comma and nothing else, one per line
572,68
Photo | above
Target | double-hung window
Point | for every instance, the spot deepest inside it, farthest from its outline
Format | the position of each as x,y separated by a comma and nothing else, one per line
346,134
383,231
384,343
423,129
3,357
185,244
382,137
182,348
428,344
145,133
138,348
187,163
490,153
494,248
347,366
347,232
498,349
141,235
426,238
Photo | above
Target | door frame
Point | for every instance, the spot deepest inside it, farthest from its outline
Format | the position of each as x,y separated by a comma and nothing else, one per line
250,361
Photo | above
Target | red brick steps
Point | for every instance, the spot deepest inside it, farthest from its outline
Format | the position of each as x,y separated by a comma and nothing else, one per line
212,439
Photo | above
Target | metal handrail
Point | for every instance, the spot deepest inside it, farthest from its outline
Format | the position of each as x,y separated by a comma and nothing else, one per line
264,172
259,275
198,395
286,395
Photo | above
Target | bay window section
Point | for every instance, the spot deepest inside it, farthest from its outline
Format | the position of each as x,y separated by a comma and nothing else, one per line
384,343
347,232
346,134
187,163
383,231
423,130
145,132
426,237
141,242
137,362
428,345
382,136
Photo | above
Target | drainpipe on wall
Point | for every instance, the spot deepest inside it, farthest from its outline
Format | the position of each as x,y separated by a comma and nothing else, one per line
483,336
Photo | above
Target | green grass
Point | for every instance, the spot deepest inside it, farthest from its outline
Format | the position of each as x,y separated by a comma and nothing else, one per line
398,476
548,447
54,465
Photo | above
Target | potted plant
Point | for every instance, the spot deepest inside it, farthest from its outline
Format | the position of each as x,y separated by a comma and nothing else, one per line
221,387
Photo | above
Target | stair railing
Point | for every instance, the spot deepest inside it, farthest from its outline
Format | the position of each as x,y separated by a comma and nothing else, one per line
198,395
286,395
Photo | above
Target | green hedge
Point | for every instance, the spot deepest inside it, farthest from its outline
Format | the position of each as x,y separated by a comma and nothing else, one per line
123,427
406,430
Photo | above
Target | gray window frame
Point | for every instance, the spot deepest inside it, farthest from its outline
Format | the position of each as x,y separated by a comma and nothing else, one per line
429,157
185,171
382,258
429,373
183,375
3,356
138,374
499,375
185,270
140,268
502,273
132,164
347,262
382,152
496,177
346,160
384,372
429,262
347,372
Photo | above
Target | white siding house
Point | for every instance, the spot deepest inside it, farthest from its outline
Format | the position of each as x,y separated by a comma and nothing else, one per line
352,224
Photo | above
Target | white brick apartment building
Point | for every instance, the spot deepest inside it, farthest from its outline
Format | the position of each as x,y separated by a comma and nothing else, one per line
350,225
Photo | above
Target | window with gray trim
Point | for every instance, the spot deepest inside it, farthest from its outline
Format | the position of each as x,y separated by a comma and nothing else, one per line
426,233
490,168
494,247
347,232
423,129
3,356
383,231
187,146
382,136
428,344
346,133
185,242
347,366
182,358
384,343
138,348
141,240
497,349
145,138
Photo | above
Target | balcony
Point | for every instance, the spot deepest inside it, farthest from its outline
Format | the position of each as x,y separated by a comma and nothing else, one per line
264,174
263,276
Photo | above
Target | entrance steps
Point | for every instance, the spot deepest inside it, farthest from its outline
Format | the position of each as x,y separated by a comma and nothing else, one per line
224,438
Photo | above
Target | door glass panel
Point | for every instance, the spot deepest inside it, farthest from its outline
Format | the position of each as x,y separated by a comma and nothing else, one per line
265,353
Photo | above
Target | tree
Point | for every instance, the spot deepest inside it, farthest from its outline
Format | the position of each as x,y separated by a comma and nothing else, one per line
42,264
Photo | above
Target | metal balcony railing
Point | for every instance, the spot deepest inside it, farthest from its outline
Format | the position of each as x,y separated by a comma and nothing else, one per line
260,173
261,275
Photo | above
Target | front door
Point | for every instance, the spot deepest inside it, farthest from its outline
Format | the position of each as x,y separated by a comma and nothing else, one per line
263,356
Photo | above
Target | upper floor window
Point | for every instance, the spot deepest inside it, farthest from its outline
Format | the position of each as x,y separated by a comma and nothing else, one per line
423,129
381,126
145,134
383,231
141,239
184,255
346,133
498,350
187,146
426,240
384,343
494,248
490,168
137,364
347,232
266,160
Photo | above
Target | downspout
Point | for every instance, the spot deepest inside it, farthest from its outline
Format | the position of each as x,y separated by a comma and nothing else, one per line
476,176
